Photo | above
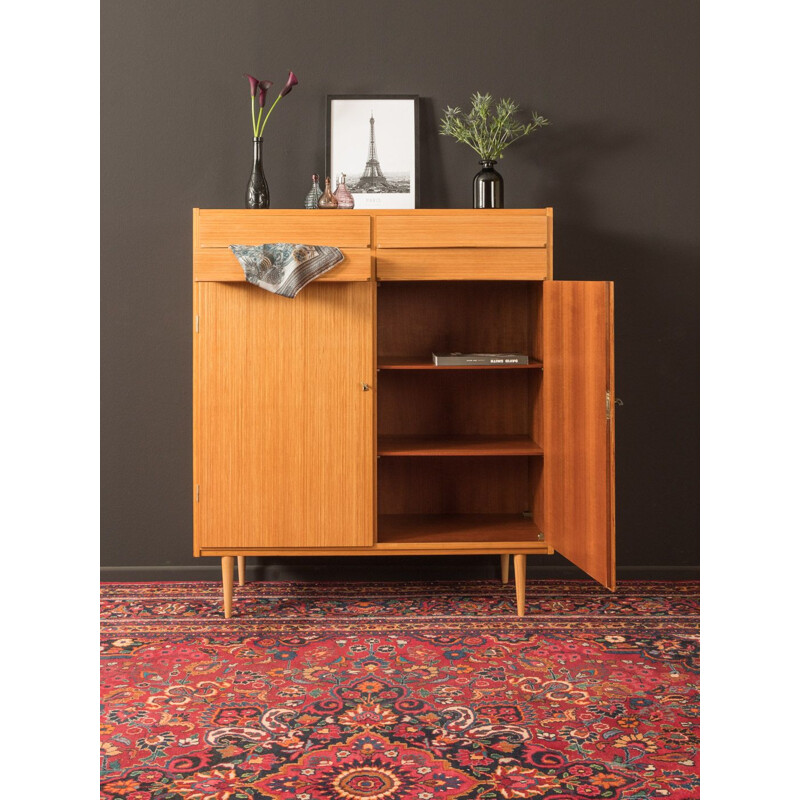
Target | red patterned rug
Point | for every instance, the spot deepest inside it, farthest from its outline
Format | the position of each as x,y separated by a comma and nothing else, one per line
399,691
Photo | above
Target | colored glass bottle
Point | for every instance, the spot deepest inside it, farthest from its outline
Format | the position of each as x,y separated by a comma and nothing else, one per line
312,198
342,193
327,200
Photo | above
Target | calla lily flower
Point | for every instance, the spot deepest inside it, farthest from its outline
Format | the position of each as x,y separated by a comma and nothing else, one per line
292,81
253,84
261,88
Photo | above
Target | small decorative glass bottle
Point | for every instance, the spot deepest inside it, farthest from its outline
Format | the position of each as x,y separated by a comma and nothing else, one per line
314,195
327,200
342,193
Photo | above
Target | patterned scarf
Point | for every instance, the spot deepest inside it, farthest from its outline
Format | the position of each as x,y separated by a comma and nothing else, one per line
284,268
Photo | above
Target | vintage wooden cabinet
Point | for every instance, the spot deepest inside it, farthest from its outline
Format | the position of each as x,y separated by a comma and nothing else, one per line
322,427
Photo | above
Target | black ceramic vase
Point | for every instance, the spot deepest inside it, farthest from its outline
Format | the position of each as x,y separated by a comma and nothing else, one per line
487,188
257,188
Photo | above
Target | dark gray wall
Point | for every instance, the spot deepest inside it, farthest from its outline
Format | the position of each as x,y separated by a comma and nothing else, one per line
619,80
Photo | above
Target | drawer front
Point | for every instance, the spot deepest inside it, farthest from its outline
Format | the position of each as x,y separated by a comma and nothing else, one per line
220,264
220,228
493,229
470,264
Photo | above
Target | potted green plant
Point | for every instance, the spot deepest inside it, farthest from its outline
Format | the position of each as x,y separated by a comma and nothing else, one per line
488,133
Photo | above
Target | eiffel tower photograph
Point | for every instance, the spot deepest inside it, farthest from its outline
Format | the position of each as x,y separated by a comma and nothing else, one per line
372,179
374,140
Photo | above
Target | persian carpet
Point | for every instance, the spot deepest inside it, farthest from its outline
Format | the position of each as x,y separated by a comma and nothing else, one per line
399,691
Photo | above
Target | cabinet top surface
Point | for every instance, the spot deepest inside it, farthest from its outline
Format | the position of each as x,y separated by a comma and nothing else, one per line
367,212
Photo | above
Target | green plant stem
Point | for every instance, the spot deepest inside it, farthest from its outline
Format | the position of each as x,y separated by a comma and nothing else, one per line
260,112
268,113
253,112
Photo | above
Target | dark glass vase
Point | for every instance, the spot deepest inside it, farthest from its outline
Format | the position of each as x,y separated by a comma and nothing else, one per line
487,188
257,188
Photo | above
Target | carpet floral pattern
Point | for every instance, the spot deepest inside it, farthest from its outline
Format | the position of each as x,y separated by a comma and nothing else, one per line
399,691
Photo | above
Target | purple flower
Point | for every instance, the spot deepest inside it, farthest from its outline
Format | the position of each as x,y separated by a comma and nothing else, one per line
263,86
292,81
253,84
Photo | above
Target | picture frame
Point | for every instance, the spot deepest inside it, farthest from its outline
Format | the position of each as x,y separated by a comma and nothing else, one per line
374,140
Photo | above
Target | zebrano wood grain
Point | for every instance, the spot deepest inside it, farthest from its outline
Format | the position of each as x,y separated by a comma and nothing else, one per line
417,318
454,402
284,433
223,227
489,547
220,264
501,228
455,485
287,397
578,436
404,529
457,446
462,263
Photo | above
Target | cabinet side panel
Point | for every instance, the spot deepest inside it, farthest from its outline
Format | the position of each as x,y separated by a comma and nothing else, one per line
577,437
283,432
196,519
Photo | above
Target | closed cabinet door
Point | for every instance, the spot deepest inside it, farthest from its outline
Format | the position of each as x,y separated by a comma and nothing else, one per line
283,417
578,391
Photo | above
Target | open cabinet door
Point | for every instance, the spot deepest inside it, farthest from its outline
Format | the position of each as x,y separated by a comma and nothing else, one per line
578,405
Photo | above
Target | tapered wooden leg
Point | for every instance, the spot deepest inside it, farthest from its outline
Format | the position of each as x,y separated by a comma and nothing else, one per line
227,585
240,569
504,558
519,582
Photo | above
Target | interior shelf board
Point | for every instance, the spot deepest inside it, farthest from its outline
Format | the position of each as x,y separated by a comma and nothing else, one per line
420,362
458,446
487,528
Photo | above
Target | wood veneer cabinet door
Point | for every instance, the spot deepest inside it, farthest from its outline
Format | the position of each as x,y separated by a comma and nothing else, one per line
283,428
578,415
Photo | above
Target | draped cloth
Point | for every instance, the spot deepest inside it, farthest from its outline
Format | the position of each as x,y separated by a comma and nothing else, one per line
284,268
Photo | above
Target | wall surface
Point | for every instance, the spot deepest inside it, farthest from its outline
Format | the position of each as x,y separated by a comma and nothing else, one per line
618,79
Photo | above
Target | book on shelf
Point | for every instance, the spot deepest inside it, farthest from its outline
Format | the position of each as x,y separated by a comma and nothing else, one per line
478,359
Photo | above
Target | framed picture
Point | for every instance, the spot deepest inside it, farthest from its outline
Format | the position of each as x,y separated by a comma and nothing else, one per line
374,141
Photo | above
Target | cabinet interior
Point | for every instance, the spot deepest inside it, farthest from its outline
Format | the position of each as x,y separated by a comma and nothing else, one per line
459,448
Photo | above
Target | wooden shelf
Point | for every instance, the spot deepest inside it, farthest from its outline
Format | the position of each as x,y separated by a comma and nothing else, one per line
458,446
418,362
405,529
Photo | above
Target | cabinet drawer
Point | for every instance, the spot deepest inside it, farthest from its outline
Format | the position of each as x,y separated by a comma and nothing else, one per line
223,227
495,228
220,264
469,264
